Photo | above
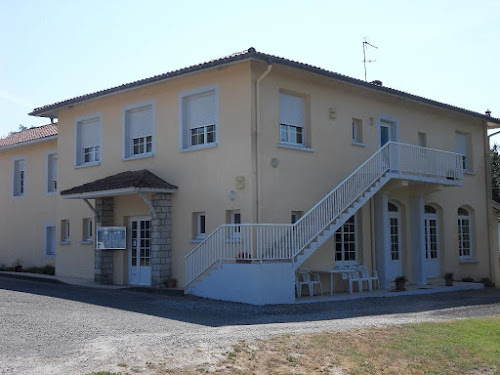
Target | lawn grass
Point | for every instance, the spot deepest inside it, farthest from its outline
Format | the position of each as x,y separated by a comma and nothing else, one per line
468,346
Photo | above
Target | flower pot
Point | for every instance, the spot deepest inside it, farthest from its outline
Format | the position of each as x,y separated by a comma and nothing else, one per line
448,282
400,285
171,283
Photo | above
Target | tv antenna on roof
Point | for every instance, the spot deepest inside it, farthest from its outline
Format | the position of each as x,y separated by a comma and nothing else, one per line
365,44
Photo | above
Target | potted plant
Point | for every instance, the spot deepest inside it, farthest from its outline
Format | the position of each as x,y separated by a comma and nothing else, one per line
244,257
448,279
400,282
171,283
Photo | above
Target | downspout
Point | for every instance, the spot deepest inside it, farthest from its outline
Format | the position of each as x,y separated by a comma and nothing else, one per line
257,142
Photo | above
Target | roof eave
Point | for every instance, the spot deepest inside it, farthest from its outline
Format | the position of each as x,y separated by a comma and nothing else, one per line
27,143
116,192
53,111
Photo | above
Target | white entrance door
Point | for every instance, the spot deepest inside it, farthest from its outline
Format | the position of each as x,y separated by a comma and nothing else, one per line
432,251
139,251
395,255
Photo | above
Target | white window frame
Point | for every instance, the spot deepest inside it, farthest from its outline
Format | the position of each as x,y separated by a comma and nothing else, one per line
87,230
462,219
199,234
235,231
295,216
422,139
196,91
15,182
45,238
130,154
344,262
77,144
49,179
467,157
65,231
289,127
357,131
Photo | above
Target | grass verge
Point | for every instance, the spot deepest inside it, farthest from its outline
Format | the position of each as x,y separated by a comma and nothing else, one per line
469,346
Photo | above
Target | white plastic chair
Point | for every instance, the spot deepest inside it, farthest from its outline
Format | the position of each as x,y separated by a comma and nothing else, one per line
369,278
352,276
298,285
310,282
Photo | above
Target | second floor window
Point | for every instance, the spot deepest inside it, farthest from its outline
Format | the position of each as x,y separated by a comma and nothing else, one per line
51,172
19,177
139,130
88,141
292,120
462,147
199,118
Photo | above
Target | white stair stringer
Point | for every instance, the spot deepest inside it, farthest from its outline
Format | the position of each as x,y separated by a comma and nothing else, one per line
316,243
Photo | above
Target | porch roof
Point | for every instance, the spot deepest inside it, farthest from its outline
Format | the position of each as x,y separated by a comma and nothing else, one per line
129,182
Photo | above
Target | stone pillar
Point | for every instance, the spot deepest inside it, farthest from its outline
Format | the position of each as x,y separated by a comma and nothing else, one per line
417,233
103,260
161,240
382,239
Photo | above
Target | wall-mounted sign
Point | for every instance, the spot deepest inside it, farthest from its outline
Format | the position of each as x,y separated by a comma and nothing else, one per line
111,238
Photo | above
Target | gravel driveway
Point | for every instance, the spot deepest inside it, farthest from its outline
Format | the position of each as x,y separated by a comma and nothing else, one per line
61,329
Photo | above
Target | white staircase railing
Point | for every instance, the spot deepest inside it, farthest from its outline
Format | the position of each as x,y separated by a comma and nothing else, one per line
265,242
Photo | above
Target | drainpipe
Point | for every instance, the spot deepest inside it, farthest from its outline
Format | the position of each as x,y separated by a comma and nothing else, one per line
257,142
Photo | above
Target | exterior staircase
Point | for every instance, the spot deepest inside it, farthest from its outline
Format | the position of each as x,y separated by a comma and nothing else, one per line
295,243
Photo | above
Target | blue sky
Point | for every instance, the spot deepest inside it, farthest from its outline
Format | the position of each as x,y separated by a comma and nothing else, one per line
53,50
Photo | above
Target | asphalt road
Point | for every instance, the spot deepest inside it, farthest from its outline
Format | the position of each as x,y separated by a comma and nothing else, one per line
61,329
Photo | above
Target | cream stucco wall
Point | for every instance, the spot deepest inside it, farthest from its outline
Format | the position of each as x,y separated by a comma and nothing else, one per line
23,219
204,177
304,176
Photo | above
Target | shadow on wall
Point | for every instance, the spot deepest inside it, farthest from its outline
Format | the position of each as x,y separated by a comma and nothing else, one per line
216,313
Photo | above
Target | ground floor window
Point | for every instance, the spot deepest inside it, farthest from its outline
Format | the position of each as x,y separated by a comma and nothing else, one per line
87,230
464,234
296,215
199,226
50,240
65,230
346,242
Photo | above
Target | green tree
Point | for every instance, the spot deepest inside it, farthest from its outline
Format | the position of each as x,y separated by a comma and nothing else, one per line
495,172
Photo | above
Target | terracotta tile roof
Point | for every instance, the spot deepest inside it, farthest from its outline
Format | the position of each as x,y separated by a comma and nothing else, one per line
50,110
28,135
142,179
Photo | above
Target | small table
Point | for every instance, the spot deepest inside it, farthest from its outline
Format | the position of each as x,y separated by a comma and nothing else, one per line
332,273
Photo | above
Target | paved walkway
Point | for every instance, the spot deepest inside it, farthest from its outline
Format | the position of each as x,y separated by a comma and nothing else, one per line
50,328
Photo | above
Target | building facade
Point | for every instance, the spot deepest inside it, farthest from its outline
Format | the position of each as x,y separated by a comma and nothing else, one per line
231,175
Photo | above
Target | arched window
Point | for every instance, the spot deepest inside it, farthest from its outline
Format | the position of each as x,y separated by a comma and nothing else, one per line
392,207
464,234
429,209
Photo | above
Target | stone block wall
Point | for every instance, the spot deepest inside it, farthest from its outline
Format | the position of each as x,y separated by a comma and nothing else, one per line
103,260
161,241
